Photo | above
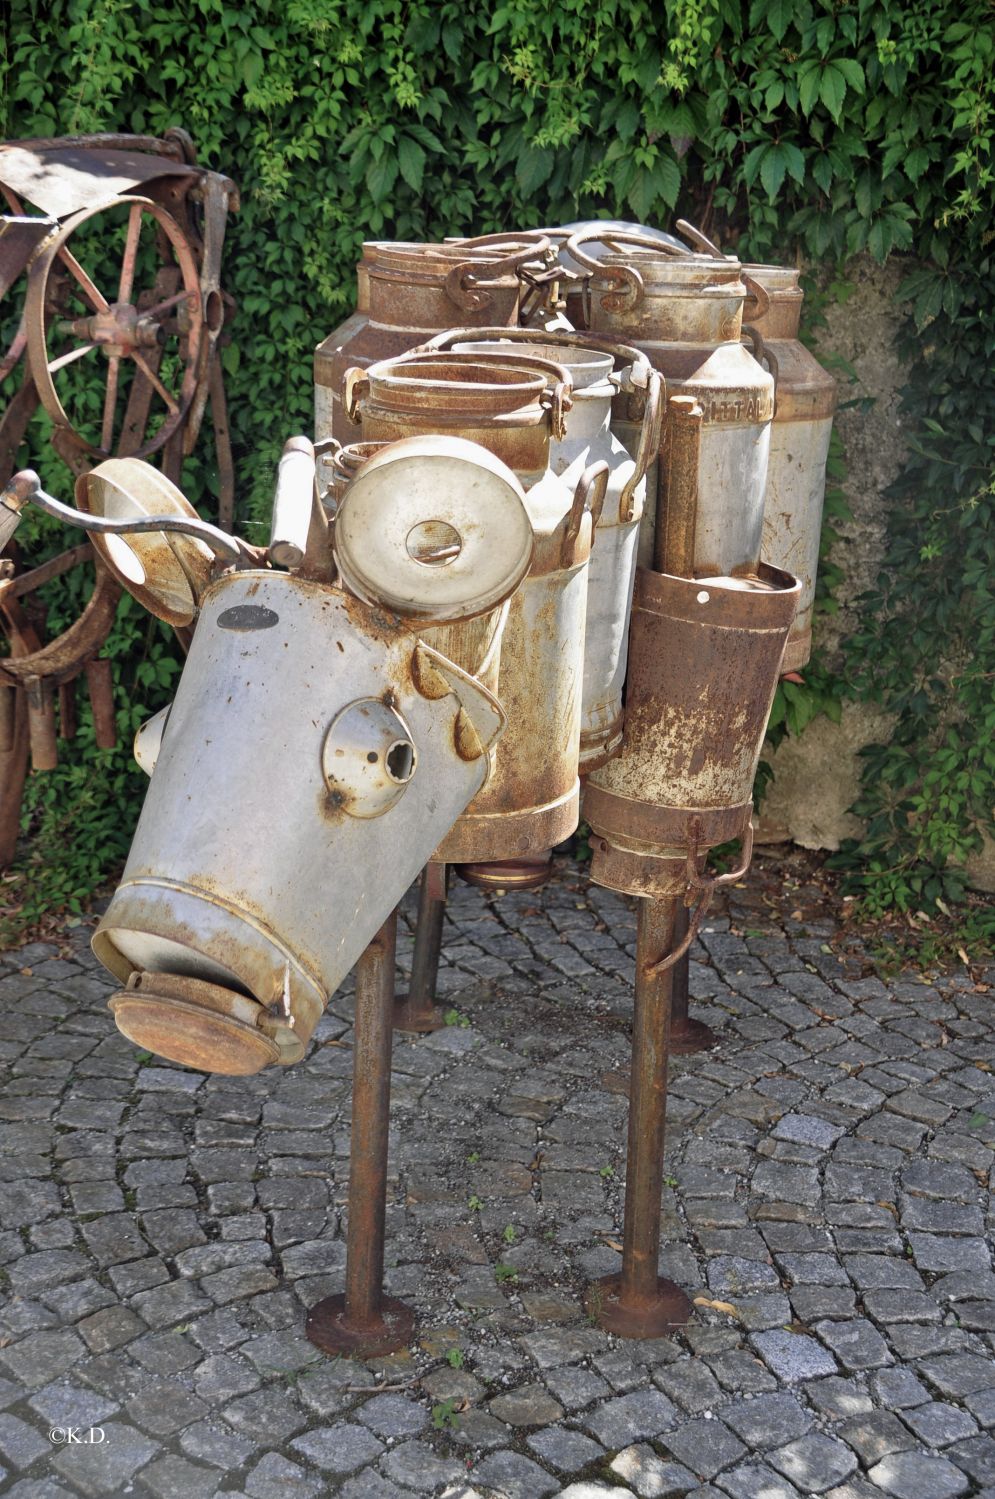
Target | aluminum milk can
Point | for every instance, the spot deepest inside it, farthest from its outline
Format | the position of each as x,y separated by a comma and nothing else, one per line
804,402
412,291
587,439
704,659
532,799
305,740
686,312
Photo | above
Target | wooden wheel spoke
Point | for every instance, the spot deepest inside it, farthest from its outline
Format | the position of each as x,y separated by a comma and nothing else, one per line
70,358
96,298
155,382
161,307
130,253
110,402
15,351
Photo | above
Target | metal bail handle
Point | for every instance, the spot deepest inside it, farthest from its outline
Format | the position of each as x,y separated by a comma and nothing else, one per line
757,303
649,444
355,388
592,486
557,398
626,355
706,885
762,353
699,238
465,286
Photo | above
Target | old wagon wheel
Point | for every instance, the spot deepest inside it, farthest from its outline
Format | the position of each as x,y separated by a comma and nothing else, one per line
150,340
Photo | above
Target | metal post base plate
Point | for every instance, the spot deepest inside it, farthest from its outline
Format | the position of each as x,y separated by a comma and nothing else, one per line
687,1036
656,1319
417,1018
328,1328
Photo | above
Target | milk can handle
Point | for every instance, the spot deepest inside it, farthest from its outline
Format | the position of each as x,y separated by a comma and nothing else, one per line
597,342
534,243
701,240
600,235
592,486
762,351
757,303
649,445
355,387
705,886
466,282
557,398
293,503
626,280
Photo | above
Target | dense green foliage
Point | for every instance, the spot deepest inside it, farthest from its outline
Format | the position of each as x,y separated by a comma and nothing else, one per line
787,127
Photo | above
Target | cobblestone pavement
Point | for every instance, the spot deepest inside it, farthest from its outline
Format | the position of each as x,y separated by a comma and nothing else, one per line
826,1199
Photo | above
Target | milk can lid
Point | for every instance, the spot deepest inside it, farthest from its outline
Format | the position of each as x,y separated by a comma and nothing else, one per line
165,572
433,528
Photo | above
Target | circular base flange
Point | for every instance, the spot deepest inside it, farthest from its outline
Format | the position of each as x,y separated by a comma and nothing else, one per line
666,1314
415,1018
689,1035
328,1329
507,874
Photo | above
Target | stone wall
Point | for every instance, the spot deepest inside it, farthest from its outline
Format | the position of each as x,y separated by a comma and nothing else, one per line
817,776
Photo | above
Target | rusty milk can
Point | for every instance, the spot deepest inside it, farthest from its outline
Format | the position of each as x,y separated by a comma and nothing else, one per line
411,291
704,659
685,311
597,375
513,409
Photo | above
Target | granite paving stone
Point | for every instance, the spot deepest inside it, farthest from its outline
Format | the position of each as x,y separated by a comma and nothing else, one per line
564,1450
916,1475
814,1462
651,1477
874,1435
706,1447
827,1205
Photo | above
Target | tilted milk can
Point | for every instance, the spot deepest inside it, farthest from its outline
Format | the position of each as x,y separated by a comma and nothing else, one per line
597,375
513,409
312,732
411,291
686,312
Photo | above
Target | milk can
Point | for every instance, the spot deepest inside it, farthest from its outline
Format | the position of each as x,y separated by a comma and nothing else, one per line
411,291
685,312
597,375
704,659
513,409
333,720
804,403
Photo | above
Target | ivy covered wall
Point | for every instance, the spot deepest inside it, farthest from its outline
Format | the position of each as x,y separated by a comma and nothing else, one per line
787,128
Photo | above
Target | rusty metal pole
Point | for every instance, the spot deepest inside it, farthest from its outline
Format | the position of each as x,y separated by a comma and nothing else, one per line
686,1035
417,1010
674,553
364,1323
639,1303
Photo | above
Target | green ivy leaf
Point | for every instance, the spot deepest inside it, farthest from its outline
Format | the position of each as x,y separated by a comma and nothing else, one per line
832,89
381,176
534,166
772,169
809,81
411,160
